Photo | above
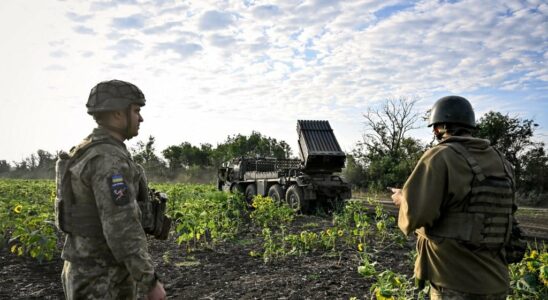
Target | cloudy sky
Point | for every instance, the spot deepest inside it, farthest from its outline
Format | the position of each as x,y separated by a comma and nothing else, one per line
210,69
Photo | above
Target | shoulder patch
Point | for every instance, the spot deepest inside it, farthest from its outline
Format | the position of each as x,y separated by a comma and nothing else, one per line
118,190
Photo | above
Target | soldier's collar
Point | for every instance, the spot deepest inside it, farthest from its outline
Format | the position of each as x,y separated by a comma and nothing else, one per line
101,133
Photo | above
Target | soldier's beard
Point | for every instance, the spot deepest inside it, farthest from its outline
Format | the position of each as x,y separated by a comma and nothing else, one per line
439,133
131,134
439,137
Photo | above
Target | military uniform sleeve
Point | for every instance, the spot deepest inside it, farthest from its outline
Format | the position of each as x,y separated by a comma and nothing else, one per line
115,191
423,193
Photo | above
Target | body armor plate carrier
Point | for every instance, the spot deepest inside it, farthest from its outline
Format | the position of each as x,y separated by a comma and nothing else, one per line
487,218
83,218
71,217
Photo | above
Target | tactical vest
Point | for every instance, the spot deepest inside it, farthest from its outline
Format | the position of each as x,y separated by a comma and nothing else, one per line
486,220
81,218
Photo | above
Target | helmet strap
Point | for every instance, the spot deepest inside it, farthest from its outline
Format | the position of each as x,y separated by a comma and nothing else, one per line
128,123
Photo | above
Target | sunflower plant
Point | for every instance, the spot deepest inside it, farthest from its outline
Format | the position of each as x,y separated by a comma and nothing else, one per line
529,278
27,218
203,218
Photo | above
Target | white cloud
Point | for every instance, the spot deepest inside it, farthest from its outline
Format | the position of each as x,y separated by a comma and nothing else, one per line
180,47
136,21
237,65
222,41
125,47
266,11
77,17
214,20
83,30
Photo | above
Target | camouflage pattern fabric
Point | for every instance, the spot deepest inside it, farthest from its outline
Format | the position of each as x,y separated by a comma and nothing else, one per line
106,176
97,281
447,294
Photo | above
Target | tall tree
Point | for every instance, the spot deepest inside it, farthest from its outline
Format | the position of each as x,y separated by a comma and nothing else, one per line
144,152
513,136
4,166
186,155
145,155
387,154
46,160
386,128
354,172
173,155
256,145
535,171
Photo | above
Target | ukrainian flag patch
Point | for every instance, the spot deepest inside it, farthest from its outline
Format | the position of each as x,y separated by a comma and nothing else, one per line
118,190
117,178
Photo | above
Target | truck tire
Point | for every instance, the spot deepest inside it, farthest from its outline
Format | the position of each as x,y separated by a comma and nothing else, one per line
236,188
250,192
295,199
276,193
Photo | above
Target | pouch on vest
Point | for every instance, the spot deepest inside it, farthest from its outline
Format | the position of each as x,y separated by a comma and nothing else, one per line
162,223
143,200
63,195
153,208
514,251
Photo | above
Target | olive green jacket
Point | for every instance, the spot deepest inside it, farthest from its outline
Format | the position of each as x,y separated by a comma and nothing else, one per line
96,177
439,184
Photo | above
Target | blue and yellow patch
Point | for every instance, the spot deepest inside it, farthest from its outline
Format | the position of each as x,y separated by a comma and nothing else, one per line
118,190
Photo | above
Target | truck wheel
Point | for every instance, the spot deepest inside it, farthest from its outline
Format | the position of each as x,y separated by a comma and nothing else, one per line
250,192
295,198
276,193
236,188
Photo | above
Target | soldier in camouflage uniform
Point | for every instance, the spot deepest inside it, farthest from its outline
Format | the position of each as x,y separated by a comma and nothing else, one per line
460,250
105,251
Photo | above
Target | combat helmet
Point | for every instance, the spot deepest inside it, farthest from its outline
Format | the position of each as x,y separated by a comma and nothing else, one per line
113,95
452,109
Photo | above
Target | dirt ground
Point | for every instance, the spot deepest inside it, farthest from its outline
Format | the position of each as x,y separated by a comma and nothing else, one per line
225,272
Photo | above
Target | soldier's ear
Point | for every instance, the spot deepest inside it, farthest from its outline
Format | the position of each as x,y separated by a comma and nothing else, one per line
118,115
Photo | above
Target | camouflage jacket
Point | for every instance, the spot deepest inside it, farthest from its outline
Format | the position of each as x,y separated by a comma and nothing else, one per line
440,183
107,176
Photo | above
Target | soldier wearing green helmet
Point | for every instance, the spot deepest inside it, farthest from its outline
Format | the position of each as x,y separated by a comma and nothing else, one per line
459,201
453,114
98,189
116,96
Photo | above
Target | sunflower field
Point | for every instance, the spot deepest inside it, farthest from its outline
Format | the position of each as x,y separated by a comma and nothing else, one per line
205,218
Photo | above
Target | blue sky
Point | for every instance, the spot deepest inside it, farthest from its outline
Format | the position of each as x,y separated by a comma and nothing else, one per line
210,69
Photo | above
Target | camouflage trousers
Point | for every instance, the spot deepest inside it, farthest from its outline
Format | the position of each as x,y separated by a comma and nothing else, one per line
439,293
96,281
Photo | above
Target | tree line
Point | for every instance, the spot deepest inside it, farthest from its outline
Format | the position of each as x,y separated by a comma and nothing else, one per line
182,162
387,153
384,157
